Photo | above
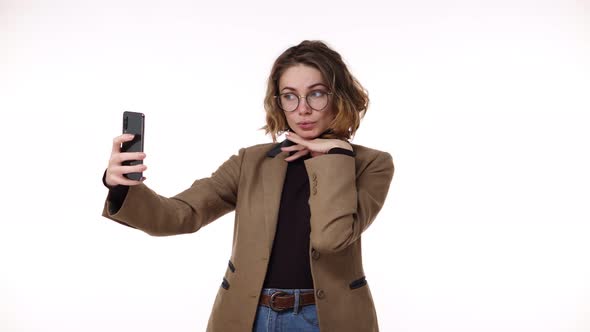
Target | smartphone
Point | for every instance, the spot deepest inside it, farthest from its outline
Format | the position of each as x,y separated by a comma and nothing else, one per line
133,123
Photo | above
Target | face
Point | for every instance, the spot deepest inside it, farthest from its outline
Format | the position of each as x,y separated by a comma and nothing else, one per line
305,121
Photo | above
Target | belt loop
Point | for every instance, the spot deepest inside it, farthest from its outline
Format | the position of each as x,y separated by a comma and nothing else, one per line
296,304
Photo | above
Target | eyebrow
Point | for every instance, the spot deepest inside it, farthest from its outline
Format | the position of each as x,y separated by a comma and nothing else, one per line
309,87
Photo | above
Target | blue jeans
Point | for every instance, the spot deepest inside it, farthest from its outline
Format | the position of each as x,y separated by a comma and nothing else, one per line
305,319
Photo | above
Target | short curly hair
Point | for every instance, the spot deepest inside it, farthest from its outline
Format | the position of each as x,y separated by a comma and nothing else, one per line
350,100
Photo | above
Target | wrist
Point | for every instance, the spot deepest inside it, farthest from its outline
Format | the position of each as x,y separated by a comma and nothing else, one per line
342,145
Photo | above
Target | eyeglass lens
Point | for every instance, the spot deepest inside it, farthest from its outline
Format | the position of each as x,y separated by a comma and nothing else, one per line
317,100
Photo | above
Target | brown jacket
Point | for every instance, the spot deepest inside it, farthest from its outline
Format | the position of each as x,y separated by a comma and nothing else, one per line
345,196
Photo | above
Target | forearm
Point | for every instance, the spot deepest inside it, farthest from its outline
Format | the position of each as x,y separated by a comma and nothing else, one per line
206,200
344,201
143,209
116,195
332,201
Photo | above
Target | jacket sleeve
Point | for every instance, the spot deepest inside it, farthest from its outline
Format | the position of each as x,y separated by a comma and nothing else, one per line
344,201
206,200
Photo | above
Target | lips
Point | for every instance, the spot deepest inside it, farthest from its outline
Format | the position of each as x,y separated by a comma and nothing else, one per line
306,125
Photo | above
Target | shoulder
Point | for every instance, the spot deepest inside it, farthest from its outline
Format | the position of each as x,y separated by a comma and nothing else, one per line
255,153
366,153
366,157
258,150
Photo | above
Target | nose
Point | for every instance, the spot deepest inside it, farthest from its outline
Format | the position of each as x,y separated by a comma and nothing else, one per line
303,107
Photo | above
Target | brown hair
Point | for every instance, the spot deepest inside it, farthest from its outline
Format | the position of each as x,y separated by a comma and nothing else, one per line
350,99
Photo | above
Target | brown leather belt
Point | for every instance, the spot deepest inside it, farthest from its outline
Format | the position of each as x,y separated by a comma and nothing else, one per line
279,301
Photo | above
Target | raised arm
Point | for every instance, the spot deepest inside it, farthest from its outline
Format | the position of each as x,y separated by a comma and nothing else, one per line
344,201
206,200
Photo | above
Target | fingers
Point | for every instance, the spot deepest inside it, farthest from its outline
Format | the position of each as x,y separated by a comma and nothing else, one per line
295,138
321,145
118,158
128,169
117,141
115,175
297,155
115,170
295,147
316,144
121,180
300,151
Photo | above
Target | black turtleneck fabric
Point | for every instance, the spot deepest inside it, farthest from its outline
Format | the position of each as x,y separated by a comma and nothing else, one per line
289,260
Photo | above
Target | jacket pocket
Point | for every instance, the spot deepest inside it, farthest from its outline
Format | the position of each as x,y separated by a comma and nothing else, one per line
358,283
225,283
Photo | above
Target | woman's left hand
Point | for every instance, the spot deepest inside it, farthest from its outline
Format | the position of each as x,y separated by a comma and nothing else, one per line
316,147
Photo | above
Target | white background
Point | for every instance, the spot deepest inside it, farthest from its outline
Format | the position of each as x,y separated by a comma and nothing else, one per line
483,105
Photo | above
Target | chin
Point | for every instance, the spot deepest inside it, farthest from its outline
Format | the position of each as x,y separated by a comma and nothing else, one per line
311,134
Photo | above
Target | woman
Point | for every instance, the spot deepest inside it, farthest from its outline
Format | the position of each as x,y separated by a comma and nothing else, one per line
300,205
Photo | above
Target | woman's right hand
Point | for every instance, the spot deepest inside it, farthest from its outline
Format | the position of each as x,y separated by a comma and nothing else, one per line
115,170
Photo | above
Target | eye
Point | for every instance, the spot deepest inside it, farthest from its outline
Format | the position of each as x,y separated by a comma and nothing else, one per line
317,94
288,96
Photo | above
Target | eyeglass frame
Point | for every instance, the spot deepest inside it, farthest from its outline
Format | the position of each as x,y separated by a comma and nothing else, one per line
299,100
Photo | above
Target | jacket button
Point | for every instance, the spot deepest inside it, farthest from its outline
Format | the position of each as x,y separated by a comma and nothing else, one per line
320,293
315,254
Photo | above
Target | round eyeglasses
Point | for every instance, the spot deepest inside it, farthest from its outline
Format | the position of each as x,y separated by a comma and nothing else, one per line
317,100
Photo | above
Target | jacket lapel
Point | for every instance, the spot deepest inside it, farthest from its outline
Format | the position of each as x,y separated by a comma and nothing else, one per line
274,171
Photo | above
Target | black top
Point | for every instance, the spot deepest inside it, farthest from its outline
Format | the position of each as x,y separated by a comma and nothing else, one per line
289,265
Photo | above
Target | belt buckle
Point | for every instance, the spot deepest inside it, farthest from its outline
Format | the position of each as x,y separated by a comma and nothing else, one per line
272,301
